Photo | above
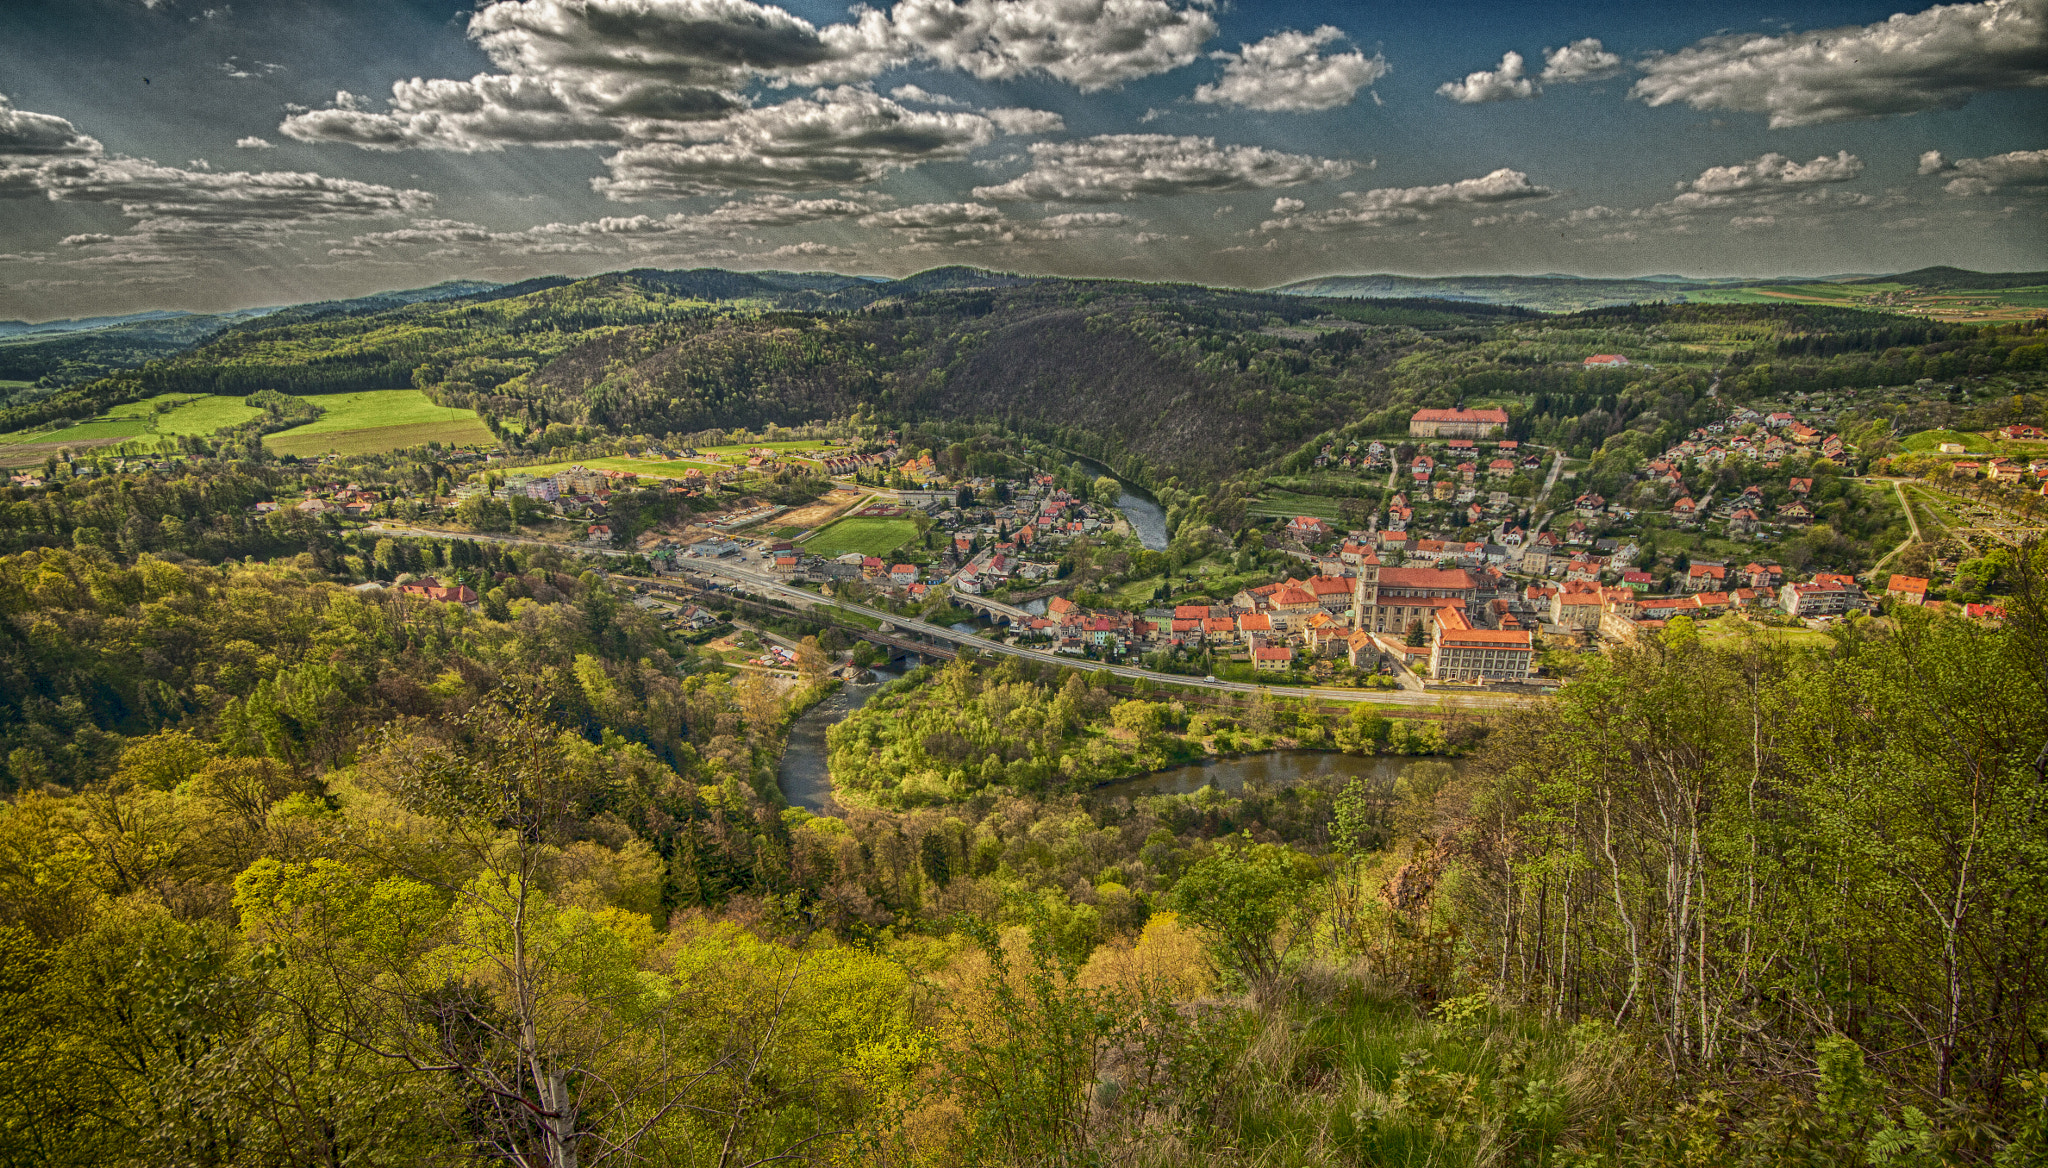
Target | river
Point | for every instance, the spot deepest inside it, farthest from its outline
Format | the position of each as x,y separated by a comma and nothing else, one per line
1146,517
805,776
1270,769
807,781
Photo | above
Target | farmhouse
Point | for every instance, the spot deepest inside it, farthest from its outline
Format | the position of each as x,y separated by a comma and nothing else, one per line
1458,423
1606,361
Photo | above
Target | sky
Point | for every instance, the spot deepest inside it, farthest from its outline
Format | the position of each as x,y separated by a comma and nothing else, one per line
220,154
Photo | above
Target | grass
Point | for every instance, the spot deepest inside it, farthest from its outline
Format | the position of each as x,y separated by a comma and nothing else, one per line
378,420
640,466
90,431
1290,503
868,535
1728,629
1926,441
197,414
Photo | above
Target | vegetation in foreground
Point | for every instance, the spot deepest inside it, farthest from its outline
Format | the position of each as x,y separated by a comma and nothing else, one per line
406,883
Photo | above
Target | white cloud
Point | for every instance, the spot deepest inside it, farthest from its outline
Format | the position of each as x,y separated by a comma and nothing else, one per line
1286,206
169,200
1026,122
87,239
1776,170
922,96
1286,72
485,113
1089,44
1085,220
24,134
234,67
1581,60
839,137
253,143
1413,204
1982,176
1503,83
1113,167
1935,59
941,222
811,250
1509,218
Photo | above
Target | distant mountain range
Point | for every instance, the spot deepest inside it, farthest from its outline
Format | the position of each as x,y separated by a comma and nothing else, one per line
1561,293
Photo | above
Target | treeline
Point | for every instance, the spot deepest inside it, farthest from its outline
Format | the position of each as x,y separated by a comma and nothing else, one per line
1745,853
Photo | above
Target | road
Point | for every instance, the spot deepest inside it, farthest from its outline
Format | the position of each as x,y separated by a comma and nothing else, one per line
765,585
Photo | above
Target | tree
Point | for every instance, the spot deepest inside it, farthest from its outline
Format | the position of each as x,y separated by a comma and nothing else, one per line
1242,893
812,664
1106,490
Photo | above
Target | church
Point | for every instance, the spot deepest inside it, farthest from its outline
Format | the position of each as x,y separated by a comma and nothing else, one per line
1388,600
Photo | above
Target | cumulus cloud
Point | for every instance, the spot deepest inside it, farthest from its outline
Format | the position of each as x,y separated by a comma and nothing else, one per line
1503,83
811,250
942,222
166,199
253,143
1085,220
1286,206
1508,218
1982,176
1026,122
1776,170
1412,204
596,72
24,134
1582,60
1089,44
1112,167
485,113
839,137
1934,59
922,96
1287,72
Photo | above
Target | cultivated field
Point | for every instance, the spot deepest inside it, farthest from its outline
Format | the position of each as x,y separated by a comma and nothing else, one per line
868,536
1988,305
378,420
640,466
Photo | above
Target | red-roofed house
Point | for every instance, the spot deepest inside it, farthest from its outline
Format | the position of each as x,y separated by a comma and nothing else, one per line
1907,589
1272,657
1606,361
1459,652
1485,423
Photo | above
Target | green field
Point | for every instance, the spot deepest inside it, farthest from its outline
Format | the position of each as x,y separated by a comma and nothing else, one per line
744,447
1728,629
1926,441
1290,504
192,414
95,430
378,420
640,466
869,536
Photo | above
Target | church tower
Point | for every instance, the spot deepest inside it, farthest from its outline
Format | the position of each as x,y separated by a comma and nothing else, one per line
1366,593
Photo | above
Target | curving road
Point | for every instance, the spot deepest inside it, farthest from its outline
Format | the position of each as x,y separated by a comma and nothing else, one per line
763,584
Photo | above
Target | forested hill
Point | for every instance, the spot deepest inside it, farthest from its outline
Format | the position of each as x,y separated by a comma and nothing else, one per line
1161,381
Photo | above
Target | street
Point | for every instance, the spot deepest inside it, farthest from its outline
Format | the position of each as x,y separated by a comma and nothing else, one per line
767,586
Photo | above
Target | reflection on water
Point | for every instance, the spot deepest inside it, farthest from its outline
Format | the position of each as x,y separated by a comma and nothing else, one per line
805,778
1146,517
1274,768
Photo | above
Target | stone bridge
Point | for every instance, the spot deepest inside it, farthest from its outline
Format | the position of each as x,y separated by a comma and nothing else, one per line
994,611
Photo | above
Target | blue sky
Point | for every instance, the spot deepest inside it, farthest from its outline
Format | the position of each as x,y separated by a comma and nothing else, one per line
289,150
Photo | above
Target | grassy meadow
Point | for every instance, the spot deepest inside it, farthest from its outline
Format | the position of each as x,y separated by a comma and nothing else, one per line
870,536
377,420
